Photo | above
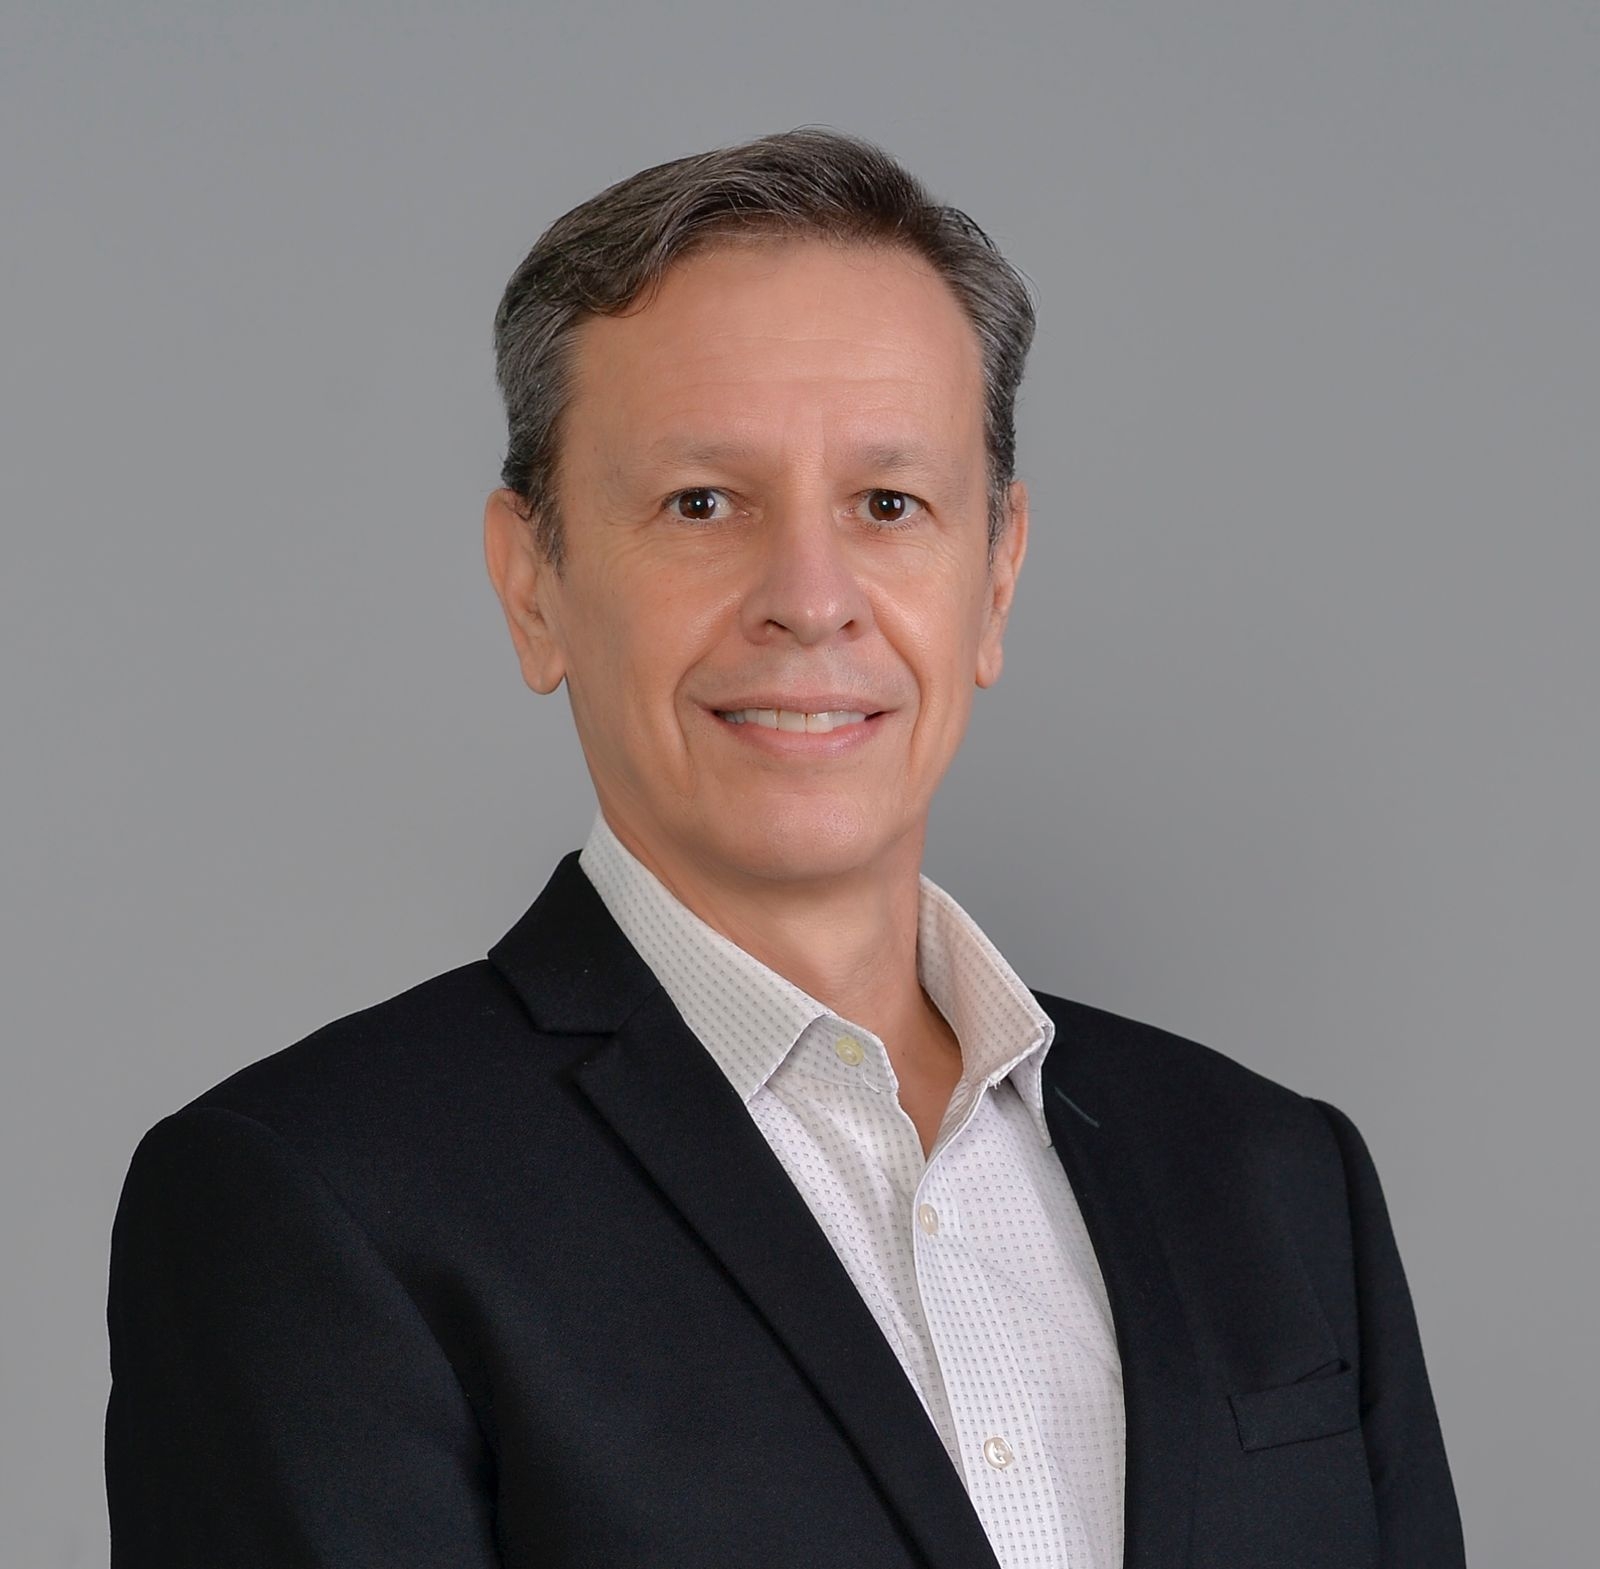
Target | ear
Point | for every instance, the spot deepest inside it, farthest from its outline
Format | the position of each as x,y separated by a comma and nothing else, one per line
1009,550
526,584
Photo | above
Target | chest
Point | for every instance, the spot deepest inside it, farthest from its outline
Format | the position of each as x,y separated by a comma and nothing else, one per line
976,1265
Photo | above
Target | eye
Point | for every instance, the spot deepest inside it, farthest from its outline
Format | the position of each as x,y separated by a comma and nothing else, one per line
889,508
700,500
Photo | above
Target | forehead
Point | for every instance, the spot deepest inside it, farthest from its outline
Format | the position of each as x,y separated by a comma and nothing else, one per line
750,342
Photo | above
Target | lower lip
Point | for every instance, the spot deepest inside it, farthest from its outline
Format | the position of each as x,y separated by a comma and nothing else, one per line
816,744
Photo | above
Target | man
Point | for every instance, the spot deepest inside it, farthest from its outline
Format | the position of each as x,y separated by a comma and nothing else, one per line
743,1207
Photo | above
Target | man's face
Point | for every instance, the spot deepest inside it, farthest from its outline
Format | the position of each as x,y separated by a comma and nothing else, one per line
773,489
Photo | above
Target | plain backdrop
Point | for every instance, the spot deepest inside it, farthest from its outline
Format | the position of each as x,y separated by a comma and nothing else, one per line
1296,749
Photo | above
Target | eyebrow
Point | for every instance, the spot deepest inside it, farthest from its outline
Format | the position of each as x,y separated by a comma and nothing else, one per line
889,457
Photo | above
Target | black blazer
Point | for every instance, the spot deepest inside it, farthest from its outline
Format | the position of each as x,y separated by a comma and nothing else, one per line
500,1272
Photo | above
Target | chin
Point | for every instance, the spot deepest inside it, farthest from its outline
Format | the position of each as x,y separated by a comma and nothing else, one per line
801,838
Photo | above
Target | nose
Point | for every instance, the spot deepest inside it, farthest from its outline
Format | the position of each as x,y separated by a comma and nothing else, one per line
806,582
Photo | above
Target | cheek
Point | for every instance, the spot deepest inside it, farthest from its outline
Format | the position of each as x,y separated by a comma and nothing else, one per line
937,636
641,650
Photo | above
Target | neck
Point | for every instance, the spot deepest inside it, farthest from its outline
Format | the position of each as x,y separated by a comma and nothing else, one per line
849,940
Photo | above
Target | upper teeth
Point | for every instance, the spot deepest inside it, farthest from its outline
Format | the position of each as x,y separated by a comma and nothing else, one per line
791,719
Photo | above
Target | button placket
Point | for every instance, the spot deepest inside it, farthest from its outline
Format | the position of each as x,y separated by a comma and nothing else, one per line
993,1420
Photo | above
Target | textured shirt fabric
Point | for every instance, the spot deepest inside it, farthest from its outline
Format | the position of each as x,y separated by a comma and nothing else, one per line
973,1259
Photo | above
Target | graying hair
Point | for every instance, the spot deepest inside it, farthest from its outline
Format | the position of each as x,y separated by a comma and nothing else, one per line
613,250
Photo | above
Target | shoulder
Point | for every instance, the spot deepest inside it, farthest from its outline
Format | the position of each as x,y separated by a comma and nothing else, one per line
1150,1061
1225,1153
386,1084
406,1047
402,1116
1186,1099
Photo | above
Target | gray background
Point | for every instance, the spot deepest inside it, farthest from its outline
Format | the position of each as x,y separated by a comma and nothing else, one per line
1296,748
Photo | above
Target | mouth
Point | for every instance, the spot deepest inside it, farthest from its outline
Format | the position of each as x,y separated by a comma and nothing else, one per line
827,733
796,721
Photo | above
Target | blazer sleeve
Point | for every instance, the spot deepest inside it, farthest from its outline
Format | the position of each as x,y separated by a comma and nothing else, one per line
277,1398
1418,1520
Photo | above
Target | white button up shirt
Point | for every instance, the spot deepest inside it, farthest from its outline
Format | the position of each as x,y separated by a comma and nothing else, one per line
974,1259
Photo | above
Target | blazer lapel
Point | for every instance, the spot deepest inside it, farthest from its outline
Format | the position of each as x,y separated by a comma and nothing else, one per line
664,1096
1159,1371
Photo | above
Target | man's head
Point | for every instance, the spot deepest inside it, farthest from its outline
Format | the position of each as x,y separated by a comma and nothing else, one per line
761,440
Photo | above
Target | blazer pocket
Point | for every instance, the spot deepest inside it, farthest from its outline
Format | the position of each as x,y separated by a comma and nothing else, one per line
1315,1407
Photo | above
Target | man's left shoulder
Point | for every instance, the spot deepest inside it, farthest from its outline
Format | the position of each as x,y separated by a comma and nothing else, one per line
1142,1073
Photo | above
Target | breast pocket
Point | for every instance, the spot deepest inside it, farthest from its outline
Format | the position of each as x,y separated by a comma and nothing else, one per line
1313,1407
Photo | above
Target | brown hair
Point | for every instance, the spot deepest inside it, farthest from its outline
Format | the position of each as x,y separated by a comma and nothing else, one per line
811,182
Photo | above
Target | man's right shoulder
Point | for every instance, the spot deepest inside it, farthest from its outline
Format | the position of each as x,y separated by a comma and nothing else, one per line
397,1072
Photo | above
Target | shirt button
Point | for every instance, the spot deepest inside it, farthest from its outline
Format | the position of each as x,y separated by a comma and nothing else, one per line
849,1049
928,1218
998,1453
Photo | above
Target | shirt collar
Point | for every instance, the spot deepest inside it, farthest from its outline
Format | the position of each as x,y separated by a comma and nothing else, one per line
749,1017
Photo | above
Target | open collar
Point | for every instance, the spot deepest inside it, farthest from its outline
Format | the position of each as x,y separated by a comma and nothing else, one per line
752,1020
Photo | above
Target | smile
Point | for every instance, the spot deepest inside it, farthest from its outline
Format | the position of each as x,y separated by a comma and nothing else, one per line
792,720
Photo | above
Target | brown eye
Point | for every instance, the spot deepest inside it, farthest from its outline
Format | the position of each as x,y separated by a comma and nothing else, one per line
695,506
892,508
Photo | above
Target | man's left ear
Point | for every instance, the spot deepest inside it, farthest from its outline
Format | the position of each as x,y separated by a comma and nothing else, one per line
1009,550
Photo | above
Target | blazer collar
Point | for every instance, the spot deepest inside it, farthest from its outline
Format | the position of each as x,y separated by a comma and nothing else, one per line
660,1092
568,960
